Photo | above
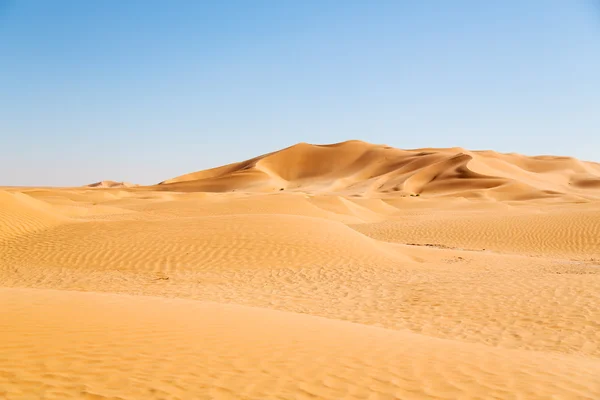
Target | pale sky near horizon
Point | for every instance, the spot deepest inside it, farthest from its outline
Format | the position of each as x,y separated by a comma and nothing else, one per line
143,91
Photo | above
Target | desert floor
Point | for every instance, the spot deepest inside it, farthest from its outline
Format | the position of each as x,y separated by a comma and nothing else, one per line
137,293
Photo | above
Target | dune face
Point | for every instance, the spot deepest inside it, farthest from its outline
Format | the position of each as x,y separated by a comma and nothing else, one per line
344,285
359,168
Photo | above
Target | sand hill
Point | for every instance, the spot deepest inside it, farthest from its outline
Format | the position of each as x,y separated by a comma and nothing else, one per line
220,285
359,168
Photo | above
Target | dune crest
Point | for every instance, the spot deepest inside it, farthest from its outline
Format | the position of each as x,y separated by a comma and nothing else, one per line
363,169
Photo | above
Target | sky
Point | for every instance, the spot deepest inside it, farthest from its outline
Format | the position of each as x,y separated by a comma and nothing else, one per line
143,90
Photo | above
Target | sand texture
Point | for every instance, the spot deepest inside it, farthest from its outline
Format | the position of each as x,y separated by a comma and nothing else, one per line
346,271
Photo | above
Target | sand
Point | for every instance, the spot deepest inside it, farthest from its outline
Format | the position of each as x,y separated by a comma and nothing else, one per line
344,285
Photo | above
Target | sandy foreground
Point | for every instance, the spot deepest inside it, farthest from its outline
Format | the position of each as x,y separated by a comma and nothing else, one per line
315,272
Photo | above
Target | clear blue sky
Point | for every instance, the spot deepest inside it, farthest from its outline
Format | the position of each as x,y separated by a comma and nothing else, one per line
146,90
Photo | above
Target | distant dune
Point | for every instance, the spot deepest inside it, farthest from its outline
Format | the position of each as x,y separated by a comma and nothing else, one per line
359,168
111,184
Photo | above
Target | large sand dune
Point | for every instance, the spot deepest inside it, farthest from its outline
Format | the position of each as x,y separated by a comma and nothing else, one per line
220,285
356,167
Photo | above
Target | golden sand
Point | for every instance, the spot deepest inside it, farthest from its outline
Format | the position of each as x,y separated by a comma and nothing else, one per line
315,272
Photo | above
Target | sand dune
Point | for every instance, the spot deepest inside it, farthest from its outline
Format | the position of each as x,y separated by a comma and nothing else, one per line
360,168
345,284
21,214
